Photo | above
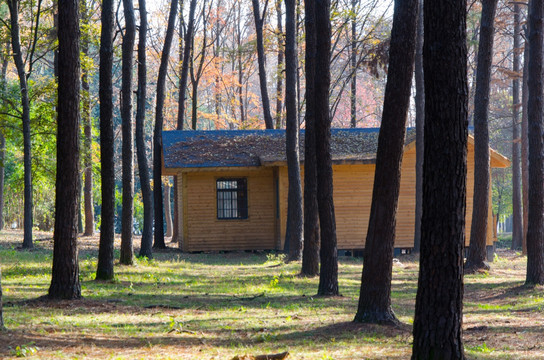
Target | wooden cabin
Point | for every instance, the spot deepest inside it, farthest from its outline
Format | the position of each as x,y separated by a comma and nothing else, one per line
232,187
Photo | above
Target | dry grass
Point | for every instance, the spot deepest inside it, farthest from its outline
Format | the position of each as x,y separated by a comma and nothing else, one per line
216,306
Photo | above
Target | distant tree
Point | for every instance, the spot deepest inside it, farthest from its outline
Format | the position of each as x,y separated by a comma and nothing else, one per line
310,253
126,255
525,145
294,230
375,296
87,124
159,121
328,253
1,308
535,113
279,70
104,269
143,166
480,210
439,299
353,64
65,275
3,72
23,74
420,125
517,210
188,42
259,23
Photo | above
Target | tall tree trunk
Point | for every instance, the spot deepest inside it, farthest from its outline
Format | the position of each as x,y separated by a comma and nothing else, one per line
375,296
293,234
353,65
3,73
127,222
517,228
279,70
420,125
259,22
104,269
310,253
159,121
143,166
168,210
328,273
2,327
480,210
87,120
13,6
65,275
188,41
525,146
535,229
439,301
79,206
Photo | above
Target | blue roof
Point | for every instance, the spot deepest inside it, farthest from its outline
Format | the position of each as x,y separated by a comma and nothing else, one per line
231,148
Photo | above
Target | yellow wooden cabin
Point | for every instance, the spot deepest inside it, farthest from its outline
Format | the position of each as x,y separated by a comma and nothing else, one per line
232,187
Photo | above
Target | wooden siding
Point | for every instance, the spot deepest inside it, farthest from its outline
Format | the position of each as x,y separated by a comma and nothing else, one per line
204,232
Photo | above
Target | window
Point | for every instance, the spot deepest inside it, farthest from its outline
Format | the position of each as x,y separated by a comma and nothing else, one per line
231,198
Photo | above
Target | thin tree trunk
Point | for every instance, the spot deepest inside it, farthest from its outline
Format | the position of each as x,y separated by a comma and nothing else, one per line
293,234
13,6
525,147
104,269
328,273
127,221
3,74
517,228
159,121
2,327
185,65
65,275
280,68
259,22
143,166
420,125
375,296
168,210
477,253
310,254
439,301
353,65
87,120
535,230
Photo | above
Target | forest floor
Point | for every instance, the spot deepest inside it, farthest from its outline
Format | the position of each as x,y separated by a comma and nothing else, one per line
217,306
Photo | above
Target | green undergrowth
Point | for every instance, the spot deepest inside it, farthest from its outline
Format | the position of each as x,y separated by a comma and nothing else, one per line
215,306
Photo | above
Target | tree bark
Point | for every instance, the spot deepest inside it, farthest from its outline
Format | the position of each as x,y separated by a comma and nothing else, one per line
3,74
480,210
310,253
439,301
279,70
104,269
65,275
143,166
328,273
535,229
525,146
259,22
13,6
168,210
375,296
517,229
159,121
87,120
293,234
420,126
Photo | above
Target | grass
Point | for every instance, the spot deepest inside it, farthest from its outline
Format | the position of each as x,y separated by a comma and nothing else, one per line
216,306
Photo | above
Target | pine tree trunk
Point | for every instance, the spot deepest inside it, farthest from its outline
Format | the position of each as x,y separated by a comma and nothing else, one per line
13,6
104,269
477,253
159,121
87,128
143,166
293,235
328,273
525,147
310,253
65,275
517,226
439,301
375,296
259,22
535,229
420,125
